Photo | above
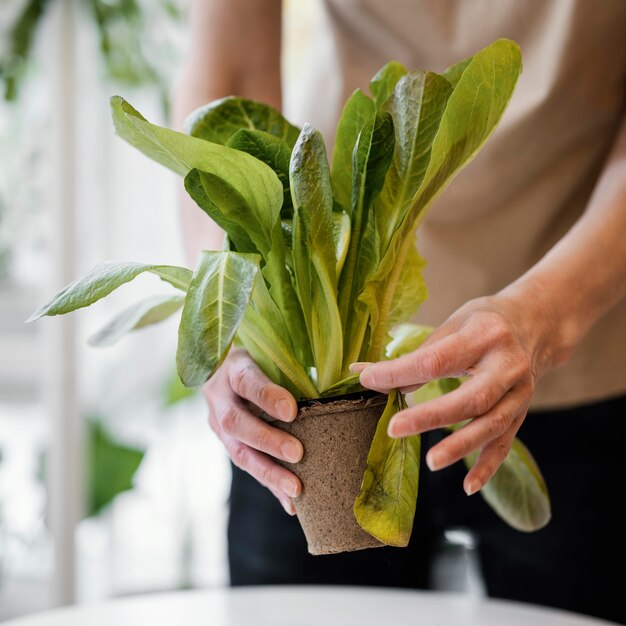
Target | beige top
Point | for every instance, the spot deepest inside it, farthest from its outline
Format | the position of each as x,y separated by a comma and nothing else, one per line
533,178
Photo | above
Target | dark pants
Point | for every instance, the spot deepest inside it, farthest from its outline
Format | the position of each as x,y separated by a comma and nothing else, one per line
565,565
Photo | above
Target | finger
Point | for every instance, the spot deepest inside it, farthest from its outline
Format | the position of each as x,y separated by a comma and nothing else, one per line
240,424
286,503
359,366
479,432
473,398
260,466
225,397
450,356
438,333
249,382
489,460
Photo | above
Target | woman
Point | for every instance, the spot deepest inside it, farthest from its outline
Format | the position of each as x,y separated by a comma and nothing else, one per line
527,274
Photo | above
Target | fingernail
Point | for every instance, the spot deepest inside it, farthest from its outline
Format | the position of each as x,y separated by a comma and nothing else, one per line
471,487
287,507
285,410
367,377
291,451
289,487
359,366
434,461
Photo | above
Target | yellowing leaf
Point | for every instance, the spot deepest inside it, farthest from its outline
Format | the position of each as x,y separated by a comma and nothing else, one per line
385,508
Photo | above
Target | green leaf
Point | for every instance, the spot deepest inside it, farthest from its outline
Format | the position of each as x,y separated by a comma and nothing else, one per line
241,181
357,111
283,291
255,181
217,299
385,80
218,121
517,492
104,278
342,228
454,72
274,152
416,106
450,384
349,384
411,290
407,338
254,228
263,335
371,158
266,325
313,251
247,229
471,114
385,507
149,311
263,358
410,293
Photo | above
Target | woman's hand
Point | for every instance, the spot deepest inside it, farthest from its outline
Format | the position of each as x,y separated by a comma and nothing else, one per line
238,390
507,341
500,343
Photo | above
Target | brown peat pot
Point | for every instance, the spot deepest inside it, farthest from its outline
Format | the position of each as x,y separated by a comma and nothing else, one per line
336,434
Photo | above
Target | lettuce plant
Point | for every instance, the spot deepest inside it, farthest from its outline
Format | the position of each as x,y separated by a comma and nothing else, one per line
319,262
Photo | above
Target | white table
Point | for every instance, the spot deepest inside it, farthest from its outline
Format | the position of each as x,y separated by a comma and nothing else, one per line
305,606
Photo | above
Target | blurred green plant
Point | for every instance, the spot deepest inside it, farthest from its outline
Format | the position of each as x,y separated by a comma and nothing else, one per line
175,391
112,466
120,25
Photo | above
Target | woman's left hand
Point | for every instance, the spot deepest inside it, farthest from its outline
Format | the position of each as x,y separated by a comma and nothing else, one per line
500,343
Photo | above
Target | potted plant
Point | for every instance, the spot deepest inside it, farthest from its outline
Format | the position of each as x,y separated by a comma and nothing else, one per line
319,266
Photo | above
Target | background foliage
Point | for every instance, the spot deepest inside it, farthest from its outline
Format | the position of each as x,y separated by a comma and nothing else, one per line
125,37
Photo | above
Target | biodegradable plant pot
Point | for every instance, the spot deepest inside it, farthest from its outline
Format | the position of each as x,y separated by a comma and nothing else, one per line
336,434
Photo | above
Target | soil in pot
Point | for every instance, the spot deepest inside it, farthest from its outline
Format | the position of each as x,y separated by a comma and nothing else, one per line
336,434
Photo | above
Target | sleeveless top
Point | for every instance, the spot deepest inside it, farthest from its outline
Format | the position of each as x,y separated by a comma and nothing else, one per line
534,176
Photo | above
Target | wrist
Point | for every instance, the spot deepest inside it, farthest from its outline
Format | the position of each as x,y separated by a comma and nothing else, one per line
548,325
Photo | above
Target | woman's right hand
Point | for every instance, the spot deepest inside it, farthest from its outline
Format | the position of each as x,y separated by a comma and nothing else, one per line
233,393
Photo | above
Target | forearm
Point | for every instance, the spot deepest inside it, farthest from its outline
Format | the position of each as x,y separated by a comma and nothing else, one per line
584,275
218,65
